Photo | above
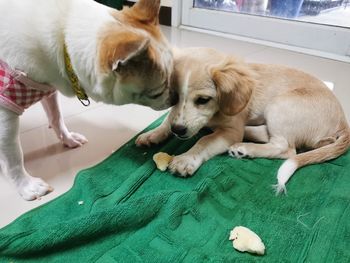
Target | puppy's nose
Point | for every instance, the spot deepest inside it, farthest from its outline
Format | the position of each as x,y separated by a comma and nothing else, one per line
179,130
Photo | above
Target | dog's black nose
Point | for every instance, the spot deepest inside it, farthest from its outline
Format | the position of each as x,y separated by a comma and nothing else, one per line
179,130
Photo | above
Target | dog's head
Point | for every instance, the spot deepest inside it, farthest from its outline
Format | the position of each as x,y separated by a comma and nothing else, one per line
135,58
206,83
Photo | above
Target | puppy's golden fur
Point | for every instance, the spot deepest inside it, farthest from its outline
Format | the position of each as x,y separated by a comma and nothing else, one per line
283,109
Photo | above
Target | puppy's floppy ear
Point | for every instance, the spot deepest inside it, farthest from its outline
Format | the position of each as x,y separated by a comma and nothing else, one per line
234,83
146,11
118,51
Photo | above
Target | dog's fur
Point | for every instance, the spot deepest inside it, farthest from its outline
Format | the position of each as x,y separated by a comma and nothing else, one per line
119,57
283,109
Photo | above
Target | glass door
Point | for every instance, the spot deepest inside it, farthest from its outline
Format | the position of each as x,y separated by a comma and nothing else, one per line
318,27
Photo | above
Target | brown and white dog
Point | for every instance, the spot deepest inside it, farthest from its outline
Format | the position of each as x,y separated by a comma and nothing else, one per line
119,57
283,109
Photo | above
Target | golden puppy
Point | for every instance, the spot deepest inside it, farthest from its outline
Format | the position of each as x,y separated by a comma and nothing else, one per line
283,109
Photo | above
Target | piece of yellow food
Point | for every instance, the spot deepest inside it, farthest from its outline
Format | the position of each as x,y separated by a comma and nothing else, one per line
245,240
162,160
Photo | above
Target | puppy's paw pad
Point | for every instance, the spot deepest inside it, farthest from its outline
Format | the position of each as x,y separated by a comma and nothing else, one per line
149,138
184,165
238,151
144,139
32,188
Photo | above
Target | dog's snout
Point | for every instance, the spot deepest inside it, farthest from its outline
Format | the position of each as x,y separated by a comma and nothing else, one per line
179,130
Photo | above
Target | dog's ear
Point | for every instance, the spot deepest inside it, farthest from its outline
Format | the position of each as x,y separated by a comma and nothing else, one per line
146,11
234,83
117,52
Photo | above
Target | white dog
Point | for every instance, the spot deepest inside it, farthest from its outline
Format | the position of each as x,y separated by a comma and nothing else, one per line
281,108
78,47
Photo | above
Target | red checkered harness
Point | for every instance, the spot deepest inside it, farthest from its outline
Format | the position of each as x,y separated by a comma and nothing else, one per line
15,95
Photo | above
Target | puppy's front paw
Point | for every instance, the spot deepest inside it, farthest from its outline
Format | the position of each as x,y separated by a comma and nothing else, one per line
185,164
32,188
73,140
151,137
238,151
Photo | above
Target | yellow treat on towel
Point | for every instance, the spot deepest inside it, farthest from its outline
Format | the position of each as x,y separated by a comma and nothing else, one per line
245,240
162,160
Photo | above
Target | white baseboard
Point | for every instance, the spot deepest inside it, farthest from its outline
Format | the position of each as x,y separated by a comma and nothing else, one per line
307,51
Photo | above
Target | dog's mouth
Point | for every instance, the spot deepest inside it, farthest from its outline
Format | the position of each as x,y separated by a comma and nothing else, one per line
189,135
183,137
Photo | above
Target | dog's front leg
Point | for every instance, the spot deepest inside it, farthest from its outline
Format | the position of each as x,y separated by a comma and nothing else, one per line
11,157
53,112
207,147
155,136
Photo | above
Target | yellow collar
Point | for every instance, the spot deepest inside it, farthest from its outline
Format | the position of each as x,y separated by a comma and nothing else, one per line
78,89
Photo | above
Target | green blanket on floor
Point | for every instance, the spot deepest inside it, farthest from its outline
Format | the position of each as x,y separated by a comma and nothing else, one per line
132,212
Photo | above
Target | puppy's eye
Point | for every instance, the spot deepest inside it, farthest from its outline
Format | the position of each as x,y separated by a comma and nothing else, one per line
161,87
202,100
153,97
174,98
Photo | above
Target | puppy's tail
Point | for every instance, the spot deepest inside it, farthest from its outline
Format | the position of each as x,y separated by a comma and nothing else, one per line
322,154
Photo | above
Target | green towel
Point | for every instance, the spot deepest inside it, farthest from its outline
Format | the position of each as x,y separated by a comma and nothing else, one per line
132,212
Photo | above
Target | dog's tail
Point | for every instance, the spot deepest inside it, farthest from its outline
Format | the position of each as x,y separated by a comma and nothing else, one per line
322,154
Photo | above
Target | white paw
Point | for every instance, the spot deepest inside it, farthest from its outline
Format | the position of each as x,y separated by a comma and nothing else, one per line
73,140
32,188
150,137
185,164
238,151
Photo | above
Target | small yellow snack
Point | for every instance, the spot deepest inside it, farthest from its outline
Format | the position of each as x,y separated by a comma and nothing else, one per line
245,240
162,160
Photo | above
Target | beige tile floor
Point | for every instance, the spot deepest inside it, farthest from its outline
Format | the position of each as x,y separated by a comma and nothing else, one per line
109,127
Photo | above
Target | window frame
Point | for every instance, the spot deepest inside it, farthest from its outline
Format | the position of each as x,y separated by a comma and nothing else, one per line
316,39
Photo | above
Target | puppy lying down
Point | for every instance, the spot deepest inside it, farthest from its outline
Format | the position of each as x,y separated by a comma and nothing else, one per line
279,110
